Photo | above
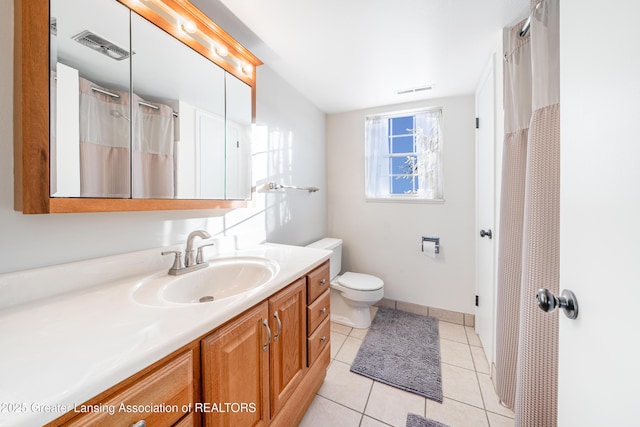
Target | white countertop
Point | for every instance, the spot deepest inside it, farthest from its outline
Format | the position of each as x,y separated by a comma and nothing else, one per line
63,350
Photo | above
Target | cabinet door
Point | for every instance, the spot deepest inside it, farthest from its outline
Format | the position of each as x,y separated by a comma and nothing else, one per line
235,372
287,311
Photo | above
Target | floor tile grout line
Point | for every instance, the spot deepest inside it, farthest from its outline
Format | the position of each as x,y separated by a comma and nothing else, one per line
458,342
341,404
425,407
340,348
483,400
461,367
502,415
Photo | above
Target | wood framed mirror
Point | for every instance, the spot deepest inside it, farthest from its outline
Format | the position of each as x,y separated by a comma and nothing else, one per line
34,187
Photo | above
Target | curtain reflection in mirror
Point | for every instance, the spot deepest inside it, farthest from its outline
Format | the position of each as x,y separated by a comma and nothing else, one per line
104,141
153,148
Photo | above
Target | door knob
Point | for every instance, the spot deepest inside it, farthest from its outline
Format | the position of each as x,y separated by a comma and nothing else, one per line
567,301
487,233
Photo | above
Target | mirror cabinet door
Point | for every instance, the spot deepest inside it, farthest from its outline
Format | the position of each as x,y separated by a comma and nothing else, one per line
89,99
238,139
162,123
178,126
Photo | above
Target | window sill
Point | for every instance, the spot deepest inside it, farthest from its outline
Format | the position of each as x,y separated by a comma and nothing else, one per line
403,199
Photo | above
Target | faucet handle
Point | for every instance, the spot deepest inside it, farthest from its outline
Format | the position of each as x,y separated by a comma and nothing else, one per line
177,262
199,257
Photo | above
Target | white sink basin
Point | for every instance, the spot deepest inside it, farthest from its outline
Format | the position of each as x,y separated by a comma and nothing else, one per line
223,278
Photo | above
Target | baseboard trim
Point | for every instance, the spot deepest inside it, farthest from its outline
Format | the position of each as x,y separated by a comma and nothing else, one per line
465,319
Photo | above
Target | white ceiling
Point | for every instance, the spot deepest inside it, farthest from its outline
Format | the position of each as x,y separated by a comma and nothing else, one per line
353,54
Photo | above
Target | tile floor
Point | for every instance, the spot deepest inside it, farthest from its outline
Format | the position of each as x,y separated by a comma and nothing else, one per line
350,400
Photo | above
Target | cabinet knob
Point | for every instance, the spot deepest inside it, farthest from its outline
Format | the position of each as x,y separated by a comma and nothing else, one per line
323,281
141,423
323,339
323,310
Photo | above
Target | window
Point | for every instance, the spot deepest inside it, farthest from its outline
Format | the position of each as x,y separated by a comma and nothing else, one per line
403,153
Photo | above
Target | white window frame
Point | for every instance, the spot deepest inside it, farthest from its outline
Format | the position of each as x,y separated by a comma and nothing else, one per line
378,164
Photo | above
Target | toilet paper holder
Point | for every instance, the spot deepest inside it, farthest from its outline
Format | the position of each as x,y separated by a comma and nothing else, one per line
436,240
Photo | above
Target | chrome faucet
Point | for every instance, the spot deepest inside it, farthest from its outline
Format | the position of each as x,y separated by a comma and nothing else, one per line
192,261
189,256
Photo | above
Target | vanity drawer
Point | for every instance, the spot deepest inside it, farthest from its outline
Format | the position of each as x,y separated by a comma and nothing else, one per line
317,282
318,311
157,398
318,341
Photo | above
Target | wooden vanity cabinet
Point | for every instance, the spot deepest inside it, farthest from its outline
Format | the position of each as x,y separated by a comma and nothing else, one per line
244,362
288,347
158,395
318,312
235,370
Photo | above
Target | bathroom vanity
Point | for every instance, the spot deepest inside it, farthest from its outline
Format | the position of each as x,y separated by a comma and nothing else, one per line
105,352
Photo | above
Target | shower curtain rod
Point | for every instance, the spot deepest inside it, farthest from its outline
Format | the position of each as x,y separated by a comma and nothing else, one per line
113,95
116,96
524,31
155,107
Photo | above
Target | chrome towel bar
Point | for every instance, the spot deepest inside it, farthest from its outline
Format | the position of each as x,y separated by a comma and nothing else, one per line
275,186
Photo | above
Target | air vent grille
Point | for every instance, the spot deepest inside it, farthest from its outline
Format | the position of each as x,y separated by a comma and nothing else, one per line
414,90
105,47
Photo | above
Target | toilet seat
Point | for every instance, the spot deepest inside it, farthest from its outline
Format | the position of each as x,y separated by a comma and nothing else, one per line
359,281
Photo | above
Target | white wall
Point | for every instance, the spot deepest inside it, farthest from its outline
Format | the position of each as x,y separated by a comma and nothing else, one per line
384,238
28,241
290,136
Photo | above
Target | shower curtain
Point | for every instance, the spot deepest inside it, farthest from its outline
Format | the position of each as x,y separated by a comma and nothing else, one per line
108,166
153,150
104,142
528,258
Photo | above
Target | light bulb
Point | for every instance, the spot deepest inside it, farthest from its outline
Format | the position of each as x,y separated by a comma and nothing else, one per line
246,69
222,50
189,27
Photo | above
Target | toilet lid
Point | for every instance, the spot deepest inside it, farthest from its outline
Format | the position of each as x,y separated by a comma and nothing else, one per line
360,282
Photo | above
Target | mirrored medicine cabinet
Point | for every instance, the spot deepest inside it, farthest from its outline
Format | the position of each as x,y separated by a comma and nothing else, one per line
146,105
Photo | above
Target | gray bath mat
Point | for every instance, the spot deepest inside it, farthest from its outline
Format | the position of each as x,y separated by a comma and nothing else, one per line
402,350
414,420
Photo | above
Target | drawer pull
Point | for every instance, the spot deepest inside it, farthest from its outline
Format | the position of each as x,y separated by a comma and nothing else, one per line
266,325
141,423
275,337
323,310
323,339
323,282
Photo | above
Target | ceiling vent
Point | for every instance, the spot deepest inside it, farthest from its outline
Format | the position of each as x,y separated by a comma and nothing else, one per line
414,90
105,47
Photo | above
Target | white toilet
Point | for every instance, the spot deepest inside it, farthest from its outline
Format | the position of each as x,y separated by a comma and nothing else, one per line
352,294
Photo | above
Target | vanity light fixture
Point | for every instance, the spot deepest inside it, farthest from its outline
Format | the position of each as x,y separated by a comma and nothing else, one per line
191,26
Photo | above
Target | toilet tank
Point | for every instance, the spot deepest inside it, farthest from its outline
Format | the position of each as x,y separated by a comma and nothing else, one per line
335,261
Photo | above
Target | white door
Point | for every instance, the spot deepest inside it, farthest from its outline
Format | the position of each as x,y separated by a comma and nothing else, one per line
485,173
599,372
